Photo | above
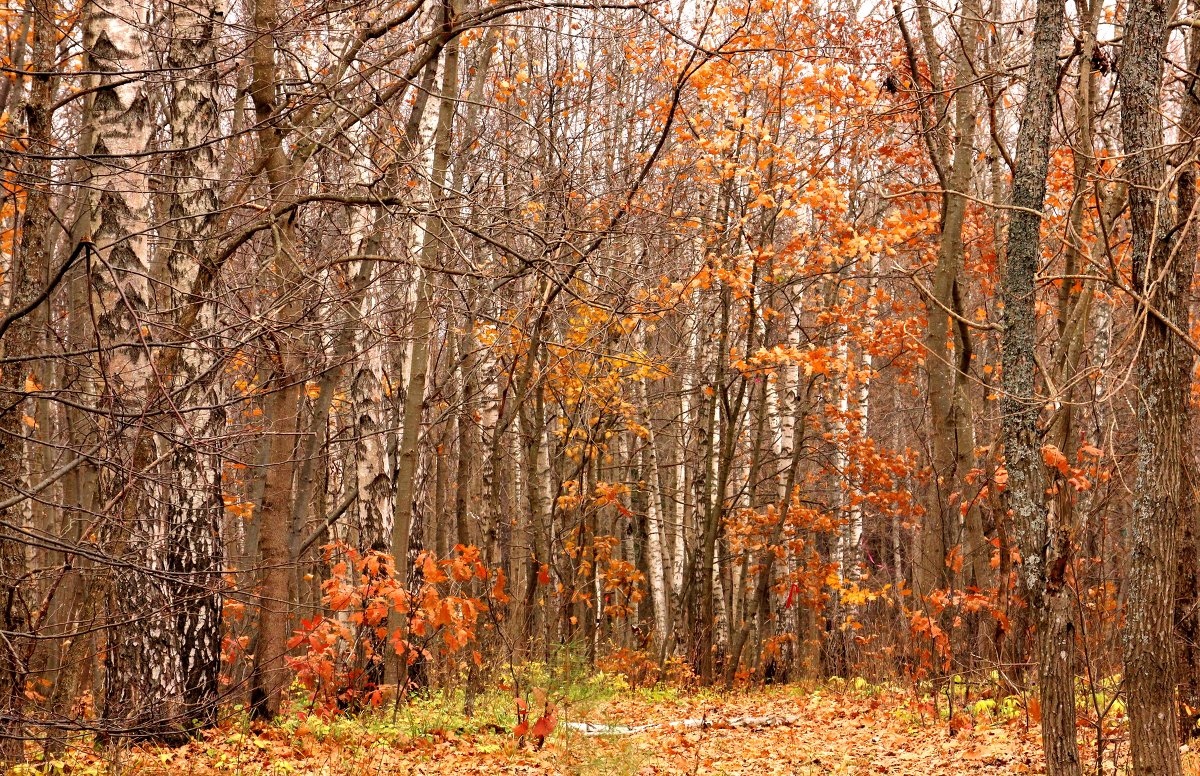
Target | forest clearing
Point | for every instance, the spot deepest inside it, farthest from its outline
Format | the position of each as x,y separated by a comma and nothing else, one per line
835,729
590,386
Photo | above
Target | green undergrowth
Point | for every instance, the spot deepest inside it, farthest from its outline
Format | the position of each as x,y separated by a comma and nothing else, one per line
565,683
996,701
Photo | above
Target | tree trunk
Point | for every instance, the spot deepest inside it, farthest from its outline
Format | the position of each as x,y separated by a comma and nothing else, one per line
655,535
143,685
951,452
1187,607
269,678
1044,544
432,237
27,274
1163,279
195,506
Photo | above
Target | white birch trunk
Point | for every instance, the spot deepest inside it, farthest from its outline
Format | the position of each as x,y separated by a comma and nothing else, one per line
654,525
142,680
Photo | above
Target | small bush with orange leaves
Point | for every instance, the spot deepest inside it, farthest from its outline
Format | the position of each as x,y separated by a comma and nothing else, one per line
369,612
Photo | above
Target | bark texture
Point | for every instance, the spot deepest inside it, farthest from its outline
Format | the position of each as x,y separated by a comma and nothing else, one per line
1043,540
1162,277
194,506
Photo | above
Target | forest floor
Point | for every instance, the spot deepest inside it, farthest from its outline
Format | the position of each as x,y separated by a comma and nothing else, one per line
829,730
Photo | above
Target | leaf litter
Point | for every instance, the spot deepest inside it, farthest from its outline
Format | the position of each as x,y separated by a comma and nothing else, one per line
771,731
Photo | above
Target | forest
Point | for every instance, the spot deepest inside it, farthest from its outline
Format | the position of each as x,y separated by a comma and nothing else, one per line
638,386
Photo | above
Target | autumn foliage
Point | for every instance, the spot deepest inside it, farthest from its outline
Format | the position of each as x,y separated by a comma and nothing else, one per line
361,354
369,616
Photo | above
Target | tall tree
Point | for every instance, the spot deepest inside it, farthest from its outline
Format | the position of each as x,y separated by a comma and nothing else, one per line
948,122
194,501
27,275
1043,542
142,695
1187,607
1162,278
282,266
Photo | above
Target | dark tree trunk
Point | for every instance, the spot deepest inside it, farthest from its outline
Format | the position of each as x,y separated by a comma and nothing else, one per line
1187,618
27,274
1162,277
1043,539
270,678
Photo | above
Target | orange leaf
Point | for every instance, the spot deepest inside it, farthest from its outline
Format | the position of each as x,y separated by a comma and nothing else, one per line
545,724
431,571
445,614
1055,459
498,588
